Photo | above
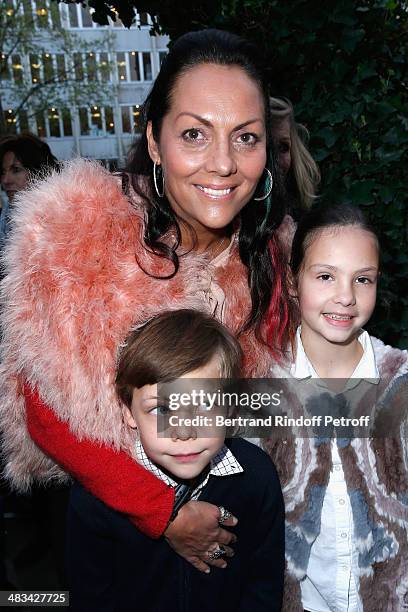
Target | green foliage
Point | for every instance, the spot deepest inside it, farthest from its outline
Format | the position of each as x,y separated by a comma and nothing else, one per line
343,63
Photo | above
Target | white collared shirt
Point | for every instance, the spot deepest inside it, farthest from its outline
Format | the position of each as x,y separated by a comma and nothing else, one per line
331,583
222,464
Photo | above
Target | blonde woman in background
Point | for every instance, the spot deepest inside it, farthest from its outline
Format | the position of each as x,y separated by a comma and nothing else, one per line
301,173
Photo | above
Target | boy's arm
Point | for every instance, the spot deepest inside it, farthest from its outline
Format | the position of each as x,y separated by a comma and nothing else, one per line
111,476
263,591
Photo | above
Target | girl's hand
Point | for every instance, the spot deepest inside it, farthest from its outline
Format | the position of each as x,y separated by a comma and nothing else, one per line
195,532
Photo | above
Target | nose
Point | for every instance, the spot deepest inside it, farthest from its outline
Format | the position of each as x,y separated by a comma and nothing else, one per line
183,431
345,294
221,158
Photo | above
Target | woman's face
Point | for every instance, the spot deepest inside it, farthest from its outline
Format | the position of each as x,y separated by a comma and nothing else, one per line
14,176
282,144
212,145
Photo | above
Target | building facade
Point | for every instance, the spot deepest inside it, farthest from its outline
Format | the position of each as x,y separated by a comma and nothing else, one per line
123,67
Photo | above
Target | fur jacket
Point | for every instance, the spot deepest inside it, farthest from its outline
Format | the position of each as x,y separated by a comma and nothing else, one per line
74,286
376,473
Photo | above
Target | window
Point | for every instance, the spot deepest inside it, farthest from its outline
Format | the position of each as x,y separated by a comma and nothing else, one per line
126,126
40,125
22,121
91,67
11,121
137,119
147,67
54,123
47,67
104,67
4,67
41,12
121,64
28,13
66,121
96,120
83,121
55,14
162,55
134,66
78,67
8,8
144,19
61,71
86,17
110,122
73,15
17,68
35,68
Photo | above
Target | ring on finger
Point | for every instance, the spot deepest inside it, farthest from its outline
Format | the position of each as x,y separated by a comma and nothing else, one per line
217,553
224,515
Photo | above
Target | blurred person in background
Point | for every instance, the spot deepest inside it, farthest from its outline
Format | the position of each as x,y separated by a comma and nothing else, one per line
22,157
300,171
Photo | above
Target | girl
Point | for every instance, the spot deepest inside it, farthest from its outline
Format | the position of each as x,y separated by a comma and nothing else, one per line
346,500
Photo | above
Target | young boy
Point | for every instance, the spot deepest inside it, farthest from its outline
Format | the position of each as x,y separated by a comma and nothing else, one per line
114,567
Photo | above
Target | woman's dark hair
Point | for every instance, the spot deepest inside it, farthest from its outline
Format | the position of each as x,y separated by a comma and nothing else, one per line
322,216
258,247
172,344
34,154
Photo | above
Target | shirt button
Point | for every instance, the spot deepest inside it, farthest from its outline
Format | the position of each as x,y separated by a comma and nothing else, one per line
343,534
342,502
337,468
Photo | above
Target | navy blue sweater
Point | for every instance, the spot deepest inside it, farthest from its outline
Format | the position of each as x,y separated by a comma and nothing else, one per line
113,567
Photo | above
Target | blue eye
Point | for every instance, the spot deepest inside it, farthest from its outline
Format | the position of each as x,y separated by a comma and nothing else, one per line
203,408
160,411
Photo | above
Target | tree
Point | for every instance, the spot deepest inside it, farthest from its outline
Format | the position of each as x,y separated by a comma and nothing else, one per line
42,64
343,65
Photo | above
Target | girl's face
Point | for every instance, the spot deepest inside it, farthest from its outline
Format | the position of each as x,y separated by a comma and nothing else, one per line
212,145
337,285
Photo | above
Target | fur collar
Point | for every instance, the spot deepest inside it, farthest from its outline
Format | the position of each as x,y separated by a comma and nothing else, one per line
73,289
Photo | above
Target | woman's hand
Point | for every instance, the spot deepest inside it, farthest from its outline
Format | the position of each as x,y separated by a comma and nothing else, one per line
196,531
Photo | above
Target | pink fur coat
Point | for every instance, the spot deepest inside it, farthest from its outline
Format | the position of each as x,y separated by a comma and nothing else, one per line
73,288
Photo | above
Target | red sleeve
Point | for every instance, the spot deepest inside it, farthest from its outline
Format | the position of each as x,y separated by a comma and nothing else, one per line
111,476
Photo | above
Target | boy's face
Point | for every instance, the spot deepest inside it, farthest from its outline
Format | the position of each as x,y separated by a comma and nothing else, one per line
184,453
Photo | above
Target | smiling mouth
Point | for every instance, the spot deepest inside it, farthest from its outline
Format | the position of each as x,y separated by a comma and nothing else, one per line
337,317
215,193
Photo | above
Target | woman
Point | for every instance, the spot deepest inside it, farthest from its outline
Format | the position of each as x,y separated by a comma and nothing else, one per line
193,227
301,173
20,156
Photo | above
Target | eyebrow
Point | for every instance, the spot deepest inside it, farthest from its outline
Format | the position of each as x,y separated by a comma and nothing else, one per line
155,398
209,124
323,265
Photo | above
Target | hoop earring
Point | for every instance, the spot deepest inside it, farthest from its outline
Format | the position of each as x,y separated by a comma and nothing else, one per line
268,193
160,195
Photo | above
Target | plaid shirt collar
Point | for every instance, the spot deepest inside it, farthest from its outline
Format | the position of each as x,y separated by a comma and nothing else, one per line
223,464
